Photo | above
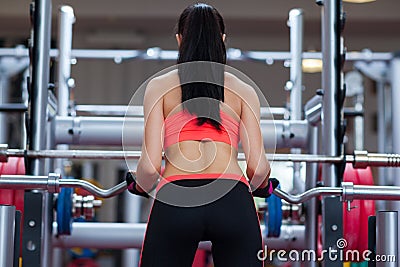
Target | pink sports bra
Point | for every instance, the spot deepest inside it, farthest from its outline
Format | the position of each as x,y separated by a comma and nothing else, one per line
182,126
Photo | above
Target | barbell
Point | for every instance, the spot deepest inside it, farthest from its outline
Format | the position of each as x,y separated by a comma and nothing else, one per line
53,182
359,159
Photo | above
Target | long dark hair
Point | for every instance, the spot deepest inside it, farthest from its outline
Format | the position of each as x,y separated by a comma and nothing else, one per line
201,28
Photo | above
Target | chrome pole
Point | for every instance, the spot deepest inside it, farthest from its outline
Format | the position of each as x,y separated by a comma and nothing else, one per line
382,135
7,231
311,222
40,81
296,83
386,238
66,19
331,124
41,239
394,78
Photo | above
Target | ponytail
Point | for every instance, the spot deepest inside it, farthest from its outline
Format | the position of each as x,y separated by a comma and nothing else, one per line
201,28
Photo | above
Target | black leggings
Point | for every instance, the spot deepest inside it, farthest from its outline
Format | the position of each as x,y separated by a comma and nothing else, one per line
230,223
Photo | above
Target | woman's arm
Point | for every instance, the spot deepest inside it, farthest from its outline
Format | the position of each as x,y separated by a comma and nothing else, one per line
149,165
258,168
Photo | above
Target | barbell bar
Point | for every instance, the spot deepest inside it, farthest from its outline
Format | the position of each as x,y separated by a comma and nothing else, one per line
53,182
359,159
155,53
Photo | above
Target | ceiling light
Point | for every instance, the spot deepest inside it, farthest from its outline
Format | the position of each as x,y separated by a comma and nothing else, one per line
312,65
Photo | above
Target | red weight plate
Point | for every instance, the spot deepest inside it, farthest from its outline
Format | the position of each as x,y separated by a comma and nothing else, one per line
351,219
19,194
13,197
319,237
367,209
19,200
10,167
366,177
6,197
21,166
3,193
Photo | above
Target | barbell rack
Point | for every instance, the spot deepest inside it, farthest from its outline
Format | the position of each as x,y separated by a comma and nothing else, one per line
359,159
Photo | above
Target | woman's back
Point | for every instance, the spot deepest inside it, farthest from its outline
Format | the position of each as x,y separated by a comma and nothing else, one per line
209,146
202,186
202,156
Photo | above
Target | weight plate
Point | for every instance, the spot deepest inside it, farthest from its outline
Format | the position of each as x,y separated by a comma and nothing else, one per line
351,219
64,211
274,218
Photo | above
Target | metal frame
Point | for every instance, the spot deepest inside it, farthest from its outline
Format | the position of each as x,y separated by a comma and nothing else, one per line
379,71
114,236
232,54
394,72
311,221
111,131
331,121
387,237
359,124
39,236
137,111
7,232
66,20
296,74
295,84
9,67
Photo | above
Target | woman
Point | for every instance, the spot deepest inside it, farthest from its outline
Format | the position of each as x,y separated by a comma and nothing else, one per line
198,122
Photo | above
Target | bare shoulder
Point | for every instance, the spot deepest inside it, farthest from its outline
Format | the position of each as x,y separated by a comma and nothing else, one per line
163,83
239,87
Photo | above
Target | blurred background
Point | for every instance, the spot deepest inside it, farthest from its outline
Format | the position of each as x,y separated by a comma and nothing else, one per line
257,25
251,25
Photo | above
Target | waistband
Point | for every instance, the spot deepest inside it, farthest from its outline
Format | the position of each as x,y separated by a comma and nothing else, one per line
229,176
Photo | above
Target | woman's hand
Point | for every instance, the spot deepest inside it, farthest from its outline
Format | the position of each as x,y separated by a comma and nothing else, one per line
132,185
266,191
